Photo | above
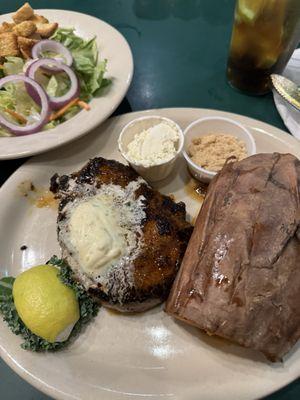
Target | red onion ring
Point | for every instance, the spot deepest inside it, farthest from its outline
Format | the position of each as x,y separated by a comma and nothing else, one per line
55,102
56,47
43,100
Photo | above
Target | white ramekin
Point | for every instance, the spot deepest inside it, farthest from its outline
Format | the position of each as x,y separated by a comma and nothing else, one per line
216,126
158,171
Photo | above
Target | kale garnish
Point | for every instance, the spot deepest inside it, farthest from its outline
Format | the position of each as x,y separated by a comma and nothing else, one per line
88,310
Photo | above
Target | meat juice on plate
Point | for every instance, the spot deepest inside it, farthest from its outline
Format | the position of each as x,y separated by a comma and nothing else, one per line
264,35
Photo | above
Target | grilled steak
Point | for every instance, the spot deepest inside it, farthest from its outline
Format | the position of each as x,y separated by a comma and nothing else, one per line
152,225
240,276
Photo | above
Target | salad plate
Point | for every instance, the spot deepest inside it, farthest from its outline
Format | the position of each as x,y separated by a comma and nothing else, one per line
147,355
112,47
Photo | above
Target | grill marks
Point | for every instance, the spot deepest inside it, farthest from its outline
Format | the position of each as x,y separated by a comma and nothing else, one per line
164,229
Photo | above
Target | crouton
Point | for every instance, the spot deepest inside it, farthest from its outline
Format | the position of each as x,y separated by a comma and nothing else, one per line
35,36
46,30
6,27
25,54
39,19
8,44
23,14
25,45
25,28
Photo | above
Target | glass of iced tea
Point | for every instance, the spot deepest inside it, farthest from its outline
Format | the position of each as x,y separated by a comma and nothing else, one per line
264,35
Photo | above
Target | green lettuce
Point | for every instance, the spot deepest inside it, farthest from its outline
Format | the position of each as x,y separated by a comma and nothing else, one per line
7,99
13,65
57,85
4,132
88,310
86,62
16,98
51,124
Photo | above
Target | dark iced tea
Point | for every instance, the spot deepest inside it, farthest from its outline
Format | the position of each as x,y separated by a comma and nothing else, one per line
264,35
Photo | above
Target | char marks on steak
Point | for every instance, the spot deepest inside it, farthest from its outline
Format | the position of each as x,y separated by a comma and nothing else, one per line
240,276
165,235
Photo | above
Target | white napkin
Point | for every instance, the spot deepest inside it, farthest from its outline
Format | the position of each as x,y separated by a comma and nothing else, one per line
290,116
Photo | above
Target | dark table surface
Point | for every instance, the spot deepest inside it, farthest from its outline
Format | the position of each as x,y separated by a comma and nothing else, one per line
180,49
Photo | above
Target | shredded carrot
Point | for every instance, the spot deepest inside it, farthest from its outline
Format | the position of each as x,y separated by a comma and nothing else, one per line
63,110
84,105
17,116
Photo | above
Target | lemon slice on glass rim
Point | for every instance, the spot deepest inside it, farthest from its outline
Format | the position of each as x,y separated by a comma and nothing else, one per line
249,10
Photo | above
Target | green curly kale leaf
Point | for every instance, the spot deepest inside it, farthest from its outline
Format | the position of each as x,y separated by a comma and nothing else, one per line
88,307
88,310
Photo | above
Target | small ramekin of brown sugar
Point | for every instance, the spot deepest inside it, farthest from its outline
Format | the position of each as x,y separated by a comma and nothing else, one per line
211,142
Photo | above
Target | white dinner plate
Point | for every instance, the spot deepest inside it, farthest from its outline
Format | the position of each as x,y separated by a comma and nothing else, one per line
112,46
142,356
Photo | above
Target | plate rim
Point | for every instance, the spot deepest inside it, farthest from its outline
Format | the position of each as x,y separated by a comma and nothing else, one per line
253,123
52,146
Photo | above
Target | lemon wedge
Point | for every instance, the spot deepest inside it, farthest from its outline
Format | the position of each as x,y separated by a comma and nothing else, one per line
46,306
249,10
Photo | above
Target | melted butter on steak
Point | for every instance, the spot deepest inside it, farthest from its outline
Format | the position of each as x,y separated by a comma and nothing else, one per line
128,253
